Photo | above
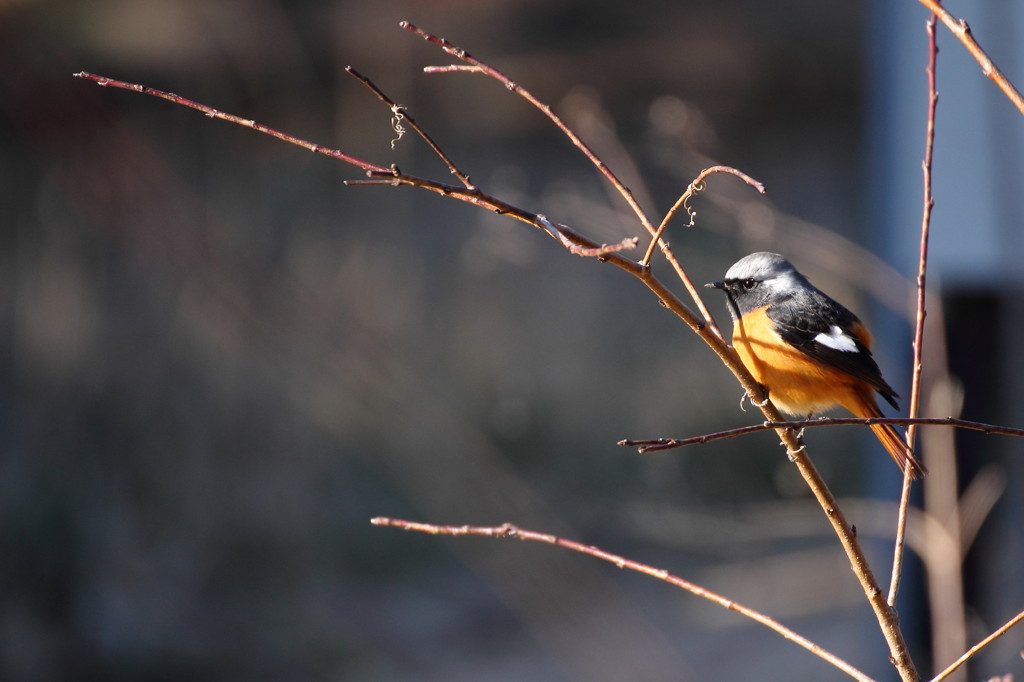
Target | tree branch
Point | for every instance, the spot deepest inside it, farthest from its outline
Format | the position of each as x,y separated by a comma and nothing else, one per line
659,444
918,344
404,113
978,647
508,530
231,118
962,31
479,66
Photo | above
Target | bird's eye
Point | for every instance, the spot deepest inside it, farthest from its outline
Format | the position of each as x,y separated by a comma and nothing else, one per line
748,284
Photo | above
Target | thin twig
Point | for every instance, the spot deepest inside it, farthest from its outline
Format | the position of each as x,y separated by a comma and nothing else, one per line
599,252
978,647
659,444
510,531
692,190
486,69
962,31
922,270
463,178
698,185
566,236
231,118
577,244
899,545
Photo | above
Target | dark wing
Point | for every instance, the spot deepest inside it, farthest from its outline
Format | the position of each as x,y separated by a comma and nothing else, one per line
829,333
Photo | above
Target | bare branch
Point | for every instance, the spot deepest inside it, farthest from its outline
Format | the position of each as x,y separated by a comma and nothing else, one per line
978,647
698,185
694,188
922,270
231,118
463,178
962,31
479,66
508,530
659,444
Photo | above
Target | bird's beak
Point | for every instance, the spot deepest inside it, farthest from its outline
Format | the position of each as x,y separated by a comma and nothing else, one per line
715,285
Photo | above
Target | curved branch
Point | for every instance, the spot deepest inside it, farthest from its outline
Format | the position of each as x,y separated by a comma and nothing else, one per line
508,530
696,186
692,190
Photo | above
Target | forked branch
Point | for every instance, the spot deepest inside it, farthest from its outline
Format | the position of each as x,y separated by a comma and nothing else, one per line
475,65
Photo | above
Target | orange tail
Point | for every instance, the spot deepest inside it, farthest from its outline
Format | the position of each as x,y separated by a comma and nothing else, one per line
866,408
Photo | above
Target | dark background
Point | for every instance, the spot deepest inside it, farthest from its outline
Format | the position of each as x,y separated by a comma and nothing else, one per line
218,363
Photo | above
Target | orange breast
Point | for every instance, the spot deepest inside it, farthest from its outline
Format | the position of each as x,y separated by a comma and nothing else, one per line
796,384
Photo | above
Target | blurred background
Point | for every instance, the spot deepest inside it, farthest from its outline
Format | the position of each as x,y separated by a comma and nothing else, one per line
218,362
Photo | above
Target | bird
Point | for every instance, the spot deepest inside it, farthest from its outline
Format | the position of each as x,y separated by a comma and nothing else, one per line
809,352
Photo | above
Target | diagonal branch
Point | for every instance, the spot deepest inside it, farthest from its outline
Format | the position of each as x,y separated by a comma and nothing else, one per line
962,31
231,118
398,109
969,654
510,531
478,66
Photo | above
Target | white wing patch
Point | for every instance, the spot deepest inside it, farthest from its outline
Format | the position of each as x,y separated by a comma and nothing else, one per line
837,339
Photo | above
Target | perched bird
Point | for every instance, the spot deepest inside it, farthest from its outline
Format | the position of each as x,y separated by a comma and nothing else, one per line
807,350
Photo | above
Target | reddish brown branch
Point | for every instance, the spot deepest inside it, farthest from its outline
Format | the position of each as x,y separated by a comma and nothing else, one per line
962,31
407,117
692,190
508,530
698,185
659,444
922,270
214,113
488,70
